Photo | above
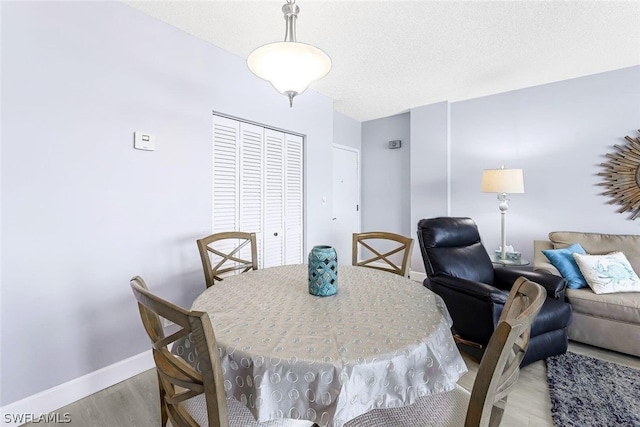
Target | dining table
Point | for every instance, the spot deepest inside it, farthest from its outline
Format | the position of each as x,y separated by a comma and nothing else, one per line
381,341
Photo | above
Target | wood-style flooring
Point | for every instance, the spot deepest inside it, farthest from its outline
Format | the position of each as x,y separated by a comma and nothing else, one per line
135,403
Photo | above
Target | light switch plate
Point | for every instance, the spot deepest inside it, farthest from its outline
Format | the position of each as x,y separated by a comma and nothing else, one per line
144,141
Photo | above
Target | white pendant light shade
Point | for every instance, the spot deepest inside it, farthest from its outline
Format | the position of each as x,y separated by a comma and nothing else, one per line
289,66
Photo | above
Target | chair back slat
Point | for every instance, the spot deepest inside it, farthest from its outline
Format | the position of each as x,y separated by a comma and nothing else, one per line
225,256
500,365
178,380
163,342
395,260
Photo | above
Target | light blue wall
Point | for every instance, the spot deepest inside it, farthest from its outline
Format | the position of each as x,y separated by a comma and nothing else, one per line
385,176
82,211
347,131
558,134
429,168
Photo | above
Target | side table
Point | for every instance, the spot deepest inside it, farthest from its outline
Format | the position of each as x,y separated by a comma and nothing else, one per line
509,263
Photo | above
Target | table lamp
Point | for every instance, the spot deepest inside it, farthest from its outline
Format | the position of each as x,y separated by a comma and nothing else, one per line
503,181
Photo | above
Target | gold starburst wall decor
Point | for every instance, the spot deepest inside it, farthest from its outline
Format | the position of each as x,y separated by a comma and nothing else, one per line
622,176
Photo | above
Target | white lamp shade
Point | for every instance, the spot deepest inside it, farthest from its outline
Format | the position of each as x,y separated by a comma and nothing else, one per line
289,66
502,181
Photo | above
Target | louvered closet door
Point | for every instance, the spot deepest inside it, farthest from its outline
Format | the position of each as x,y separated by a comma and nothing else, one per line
251,185
226,194
293,199
258,187
274,198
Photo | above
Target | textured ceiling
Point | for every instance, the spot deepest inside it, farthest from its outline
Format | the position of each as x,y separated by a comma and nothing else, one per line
390,56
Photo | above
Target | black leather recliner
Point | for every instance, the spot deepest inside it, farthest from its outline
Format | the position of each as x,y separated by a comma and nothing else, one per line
461,272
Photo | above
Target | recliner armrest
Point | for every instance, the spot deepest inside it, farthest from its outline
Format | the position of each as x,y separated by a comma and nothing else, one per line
504,277
479,290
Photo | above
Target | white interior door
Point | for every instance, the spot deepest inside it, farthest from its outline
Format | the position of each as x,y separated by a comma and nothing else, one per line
346,199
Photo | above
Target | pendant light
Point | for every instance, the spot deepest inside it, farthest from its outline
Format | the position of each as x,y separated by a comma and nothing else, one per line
289,66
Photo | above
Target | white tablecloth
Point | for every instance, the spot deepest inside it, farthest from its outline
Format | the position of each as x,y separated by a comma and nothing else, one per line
381,341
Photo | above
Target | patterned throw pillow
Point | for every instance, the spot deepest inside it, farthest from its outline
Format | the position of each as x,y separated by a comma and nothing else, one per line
562,260
606,274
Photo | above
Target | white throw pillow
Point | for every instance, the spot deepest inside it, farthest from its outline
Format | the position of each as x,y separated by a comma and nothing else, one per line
606,274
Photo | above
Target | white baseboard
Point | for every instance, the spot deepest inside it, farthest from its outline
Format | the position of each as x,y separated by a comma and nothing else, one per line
64,394
418,276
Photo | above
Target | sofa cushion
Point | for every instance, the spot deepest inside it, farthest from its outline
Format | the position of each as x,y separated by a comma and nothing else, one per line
562,260
623,307
607,274
600,244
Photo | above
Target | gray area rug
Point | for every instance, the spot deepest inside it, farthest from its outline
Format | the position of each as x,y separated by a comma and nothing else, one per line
591,392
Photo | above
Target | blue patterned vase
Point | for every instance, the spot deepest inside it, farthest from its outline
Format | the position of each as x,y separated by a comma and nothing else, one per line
323,271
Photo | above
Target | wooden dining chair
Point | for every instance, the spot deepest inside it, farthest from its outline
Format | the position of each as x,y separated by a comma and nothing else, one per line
497,374
189,397
179,383
221,253
381,258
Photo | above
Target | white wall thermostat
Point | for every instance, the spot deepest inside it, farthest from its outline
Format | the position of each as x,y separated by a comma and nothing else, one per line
395,144
144,141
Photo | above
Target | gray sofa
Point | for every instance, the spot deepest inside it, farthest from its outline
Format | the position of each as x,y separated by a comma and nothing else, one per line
610,321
